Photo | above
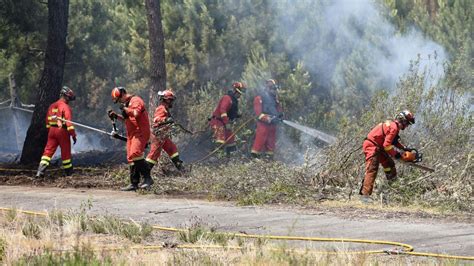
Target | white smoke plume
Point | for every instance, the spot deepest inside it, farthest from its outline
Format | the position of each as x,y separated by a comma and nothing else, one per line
324,35
328,35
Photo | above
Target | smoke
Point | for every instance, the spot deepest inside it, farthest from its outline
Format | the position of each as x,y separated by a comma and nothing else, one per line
334,37
350,44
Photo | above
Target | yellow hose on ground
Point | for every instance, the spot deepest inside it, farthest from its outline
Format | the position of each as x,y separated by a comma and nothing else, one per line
407,249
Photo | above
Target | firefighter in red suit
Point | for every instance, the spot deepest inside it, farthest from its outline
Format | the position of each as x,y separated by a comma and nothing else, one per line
380,146
138,133
59,132
161,137
226,112
269,113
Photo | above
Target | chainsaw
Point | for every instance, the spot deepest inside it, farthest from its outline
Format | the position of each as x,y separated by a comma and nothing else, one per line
412,157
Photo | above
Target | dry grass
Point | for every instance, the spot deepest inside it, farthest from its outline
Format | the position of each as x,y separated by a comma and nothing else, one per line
61,238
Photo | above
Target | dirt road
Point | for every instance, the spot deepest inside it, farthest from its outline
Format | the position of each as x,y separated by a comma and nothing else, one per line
425,234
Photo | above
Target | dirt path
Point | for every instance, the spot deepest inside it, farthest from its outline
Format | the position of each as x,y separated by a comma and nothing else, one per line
425,234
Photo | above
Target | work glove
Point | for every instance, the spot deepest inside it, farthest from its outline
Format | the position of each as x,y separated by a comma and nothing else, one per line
169,120
122,108
112,115
74,139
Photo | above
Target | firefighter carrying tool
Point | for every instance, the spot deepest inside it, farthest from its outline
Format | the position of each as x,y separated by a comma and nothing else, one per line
138,133
59,133
115,134
161,135
226,113
269,113
381,144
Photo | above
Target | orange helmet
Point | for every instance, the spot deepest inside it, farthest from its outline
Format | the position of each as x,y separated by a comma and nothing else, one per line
117,93
67,93
239,87
166,95
406,117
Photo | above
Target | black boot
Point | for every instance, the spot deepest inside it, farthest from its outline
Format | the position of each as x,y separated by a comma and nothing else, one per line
68,171
255,155
178,163
41,170
144,170
134,179
230,149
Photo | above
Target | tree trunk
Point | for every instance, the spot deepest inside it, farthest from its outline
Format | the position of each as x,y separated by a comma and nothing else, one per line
157,52
50,82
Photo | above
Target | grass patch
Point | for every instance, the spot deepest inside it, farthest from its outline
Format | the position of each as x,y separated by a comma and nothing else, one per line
31,229
80,256
112,225
11,215
3,247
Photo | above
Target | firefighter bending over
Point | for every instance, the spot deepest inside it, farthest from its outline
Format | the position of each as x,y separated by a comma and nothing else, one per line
226,112
138,133
59,132
269,113
380,146
161,134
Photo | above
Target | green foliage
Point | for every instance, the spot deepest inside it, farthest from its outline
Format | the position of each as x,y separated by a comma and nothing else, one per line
447,22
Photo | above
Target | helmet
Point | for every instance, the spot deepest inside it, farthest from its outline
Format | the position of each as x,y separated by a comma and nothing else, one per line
166,95
117,93
406,117
271,84
239,87
67,93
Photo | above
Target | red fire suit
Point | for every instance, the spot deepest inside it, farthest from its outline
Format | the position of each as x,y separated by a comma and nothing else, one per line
161,138
225,112
265,106
59,133
380,145
138,129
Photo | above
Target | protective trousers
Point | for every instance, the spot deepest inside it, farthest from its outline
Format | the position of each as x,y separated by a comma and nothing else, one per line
373,157
265,139
58,137
157,145
221,134
136,144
